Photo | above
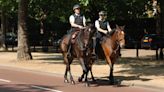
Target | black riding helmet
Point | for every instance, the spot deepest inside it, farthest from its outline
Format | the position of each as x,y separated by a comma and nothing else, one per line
76,6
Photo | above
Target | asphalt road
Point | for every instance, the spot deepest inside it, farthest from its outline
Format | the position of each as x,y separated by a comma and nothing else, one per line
20,80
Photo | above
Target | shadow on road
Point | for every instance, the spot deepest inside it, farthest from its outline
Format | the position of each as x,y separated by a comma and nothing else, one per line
103,81
143,66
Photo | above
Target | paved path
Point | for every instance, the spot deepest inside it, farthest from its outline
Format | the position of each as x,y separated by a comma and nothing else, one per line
20,80
143,72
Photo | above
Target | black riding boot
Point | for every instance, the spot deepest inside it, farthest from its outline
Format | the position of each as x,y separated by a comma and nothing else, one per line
69,51
69,47
119,51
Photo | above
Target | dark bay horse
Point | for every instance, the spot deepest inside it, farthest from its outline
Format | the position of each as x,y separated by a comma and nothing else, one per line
83,37
108,50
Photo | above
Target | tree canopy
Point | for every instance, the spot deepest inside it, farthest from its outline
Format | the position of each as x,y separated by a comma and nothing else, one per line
55,13
63,8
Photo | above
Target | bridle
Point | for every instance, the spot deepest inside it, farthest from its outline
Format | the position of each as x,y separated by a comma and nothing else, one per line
118,40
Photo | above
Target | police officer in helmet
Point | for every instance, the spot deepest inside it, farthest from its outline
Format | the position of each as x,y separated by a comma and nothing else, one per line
78,22
103,28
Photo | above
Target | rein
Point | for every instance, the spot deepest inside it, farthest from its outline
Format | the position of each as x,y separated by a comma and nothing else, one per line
117,43
81,38
117,48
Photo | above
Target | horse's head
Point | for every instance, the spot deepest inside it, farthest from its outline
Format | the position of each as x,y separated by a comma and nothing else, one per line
120,35
88,33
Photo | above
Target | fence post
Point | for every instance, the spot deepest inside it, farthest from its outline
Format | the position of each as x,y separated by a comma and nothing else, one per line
156,53
137,49
161,54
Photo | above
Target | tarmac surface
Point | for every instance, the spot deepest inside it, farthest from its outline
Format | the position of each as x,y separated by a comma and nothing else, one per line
144,71
21,80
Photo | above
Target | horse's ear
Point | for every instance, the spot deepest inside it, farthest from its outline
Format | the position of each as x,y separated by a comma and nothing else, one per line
117,26
123,26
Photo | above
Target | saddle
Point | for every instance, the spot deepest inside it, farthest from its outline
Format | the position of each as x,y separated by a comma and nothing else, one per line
74,36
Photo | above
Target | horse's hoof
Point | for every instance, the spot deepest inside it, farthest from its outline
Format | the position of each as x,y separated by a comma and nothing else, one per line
87,85
93,80
66,81
73,82
80,79
111,82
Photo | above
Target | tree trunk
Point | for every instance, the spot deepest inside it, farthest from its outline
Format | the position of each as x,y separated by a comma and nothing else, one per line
23,52
3,29
162,15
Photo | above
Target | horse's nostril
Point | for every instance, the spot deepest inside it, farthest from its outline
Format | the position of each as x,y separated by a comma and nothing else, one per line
122,45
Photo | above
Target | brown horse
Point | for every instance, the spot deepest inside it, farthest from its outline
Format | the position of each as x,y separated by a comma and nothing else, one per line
109,49
83,37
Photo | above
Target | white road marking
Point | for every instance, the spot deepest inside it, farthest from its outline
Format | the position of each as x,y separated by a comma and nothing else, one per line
3,80
48,89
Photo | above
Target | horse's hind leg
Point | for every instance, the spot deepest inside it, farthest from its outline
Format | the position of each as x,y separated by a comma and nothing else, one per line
68,61
69,70
65,75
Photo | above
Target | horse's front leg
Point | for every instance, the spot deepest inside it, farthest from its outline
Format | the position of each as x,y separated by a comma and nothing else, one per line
85,70
111,78
108,52
90,69
80,79
111,63
86,78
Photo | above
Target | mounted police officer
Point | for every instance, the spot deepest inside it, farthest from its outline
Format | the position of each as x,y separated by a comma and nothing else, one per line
103,28
78,22
102,25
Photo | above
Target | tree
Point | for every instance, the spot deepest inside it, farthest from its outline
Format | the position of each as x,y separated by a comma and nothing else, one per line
162,15
3,28
8,9
23,52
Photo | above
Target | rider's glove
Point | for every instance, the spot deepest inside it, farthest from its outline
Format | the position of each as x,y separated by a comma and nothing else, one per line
81,27
108,33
